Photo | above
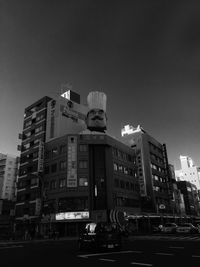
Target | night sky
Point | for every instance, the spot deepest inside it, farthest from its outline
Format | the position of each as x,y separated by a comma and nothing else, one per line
145,56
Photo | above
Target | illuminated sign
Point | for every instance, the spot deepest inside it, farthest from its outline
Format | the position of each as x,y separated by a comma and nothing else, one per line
72,162
128,129
76,215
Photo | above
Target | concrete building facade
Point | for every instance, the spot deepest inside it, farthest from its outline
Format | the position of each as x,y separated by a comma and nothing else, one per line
88,177
153,170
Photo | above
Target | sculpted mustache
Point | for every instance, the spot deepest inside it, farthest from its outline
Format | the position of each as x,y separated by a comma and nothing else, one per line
97,118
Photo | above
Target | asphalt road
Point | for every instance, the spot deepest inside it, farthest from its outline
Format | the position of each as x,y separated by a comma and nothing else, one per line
135,252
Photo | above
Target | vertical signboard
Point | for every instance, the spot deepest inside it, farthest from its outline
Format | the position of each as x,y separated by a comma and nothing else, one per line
38,206
52,123
142,181
72,162
41,156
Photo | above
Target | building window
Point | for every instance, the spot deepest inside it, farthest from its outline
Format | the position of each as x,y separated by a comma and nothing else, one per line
156,188
63,148
62,183
35,155
27,124
54,167
40,117
39,129
114,150
46,169
115,167
26,146
83,181
34,181
73,166
54,151
127,185
83,164
125,170
53,184
47,154
116,182
130,172
120,168
63,165
122,184
132,186
82,148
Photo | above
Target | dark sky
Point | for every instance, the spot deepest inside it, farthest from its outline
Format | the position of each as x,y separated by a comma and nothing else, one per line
145,55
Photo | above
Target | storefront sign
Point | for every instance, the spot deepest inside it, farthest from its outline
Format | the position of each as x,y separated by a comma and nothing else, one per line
76,215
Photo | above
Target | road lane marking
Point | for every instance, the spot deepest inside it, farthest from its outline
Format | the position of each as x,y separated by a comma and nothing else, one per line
12,247
196,256
106,253
178,247
107,260
142,263
164,254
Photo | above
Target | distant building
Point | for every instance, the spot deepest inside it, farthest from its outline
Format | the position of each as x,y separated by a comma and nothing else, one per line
190,196
153,170
188,172
8,176
177,201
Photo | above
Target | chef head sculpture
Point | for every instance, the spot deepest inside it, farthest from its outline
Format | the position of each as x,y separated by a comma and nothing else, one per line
96,117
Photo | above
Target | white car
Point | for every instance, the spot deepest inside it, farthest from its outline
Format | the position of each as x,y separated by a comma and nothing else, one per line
187,228
169,228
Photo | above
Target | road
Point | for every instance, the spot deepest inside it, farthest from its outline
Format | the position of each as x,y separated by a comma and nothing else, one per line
138,251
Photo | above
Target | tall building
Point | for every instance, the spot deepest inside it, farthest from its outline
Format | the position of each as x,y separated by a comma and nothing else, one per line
44,120
8,176
88,177
28,203
153,170
188,172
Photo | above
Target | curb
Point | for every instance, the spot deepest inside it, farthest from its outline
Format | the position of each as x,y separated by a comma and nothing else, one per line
36,240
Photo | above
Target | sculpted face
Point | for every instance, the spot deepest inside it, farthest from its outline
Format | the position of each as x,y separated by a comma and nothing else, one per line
96,120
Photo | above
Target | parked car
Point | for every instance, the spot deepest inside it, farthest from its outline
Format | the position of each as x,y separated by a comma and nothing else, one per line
157,229
100,236
169,228
187,228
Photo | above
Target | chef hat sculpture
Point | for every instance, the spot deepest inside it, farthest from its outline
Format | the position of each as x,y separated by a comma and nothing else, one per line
96,118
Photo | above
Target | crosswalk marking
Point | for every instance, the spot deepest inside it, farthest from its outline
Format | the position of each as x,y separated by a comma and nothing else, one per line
164,254
142,263
107,260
